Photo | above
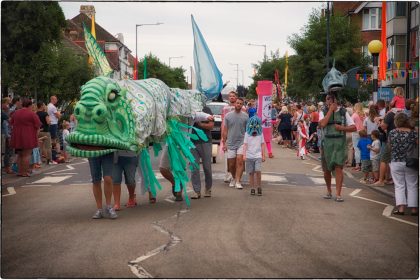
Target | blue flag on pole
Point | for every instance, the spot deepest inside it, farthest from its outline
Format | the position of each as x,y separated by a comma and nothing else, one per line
208,76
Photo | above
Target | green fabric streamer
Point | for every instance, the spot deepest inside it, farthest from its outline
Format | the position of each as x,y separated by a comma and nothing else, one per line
150,181
179,146
157,147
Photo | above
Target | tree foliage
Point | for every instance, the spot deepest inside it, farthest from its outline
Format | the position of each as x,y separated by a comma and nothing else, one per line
173,77
34,62
307,68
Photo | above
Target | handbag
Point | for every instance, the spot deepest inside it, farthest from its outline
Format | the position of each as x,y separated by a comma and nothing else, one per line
412,160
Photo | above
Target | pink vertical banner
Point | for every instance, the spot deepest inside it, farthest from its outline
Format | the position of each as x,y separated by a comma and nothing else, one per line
264,91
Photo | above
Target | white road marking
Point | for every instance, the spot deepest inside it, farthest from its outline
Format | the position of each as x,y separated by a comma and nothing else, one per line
11,191
317,168
356,191
51,179
70,167
387,211
33,185
321,181
273,178
169,200
80,184
304,162
348,174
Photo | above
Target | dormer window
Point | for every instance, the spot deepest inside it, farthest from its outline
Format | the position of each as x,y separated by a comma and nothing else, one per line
372,19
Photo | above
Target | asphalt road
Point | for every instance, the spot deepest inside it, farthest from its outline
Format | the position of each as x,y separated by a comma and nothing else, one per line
289,232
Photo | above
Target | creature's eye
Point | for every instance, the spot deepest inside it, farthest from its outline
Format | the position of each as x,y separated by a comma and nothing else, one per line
112,96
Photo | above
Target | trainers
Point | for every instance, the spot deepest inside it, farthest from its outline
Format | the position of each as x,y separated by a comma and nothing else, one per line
207,193
259,191
98,214
196,195
252,191
110,213
228,178
232,183
53,162
238,186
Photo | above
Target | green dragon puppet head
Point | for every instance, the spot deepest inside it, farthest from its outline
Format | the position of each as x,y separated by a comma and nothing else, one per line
104,118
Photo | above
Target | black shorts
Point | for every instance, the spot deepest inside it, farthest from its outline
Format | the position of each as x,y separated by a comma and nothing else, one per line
286,134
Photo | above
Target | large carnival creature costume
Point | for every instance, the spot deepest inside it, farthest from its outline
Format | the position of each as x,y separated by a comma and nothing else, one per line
334,142
131,115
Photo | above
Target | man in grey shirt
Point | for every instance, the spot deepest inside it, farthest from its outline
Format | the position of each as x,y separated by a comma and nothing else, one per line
233,140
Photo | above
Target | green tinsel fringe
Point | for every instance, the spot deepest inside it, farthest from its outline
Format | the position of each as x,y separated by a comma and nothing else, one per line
179,145
150,181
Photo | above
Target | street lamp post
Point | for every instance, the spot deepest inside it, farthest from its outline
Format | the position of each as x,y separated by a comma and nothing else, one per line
375,47
173,57
265,49
237,73
138,25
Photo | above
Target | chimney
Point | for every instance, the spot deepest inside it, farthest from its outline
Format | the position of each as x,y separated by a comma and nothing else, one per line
120,37
88,10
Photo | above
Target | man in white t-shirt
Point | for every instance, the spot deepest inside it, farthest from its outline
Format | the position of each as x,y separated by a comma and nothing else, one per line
54,115
335,123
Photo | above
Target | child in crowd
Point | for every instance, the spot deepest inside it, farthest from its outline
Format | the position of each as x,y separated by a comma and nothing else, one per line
66,132
363,144
398,101
374,153
254,147
303,137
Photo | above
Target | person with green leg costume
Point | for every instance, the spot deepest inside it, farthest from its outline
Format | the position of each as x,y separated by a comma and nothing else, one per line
335,123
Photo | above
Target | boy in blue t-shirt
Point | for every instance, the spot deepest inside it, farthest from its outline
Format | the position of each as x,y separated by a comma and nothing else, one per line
363,144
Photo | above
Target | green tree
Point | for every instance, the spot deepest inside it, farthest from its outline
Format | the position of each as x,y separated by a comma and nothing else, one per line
34,62
308,66
173,77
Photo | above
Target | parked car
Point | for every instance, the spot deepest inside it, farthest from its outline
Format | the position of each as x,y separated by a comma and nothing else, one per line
216,108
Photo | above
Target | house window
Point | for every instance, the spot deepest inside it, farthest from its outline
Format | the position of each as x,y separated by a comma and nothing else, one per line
397,48
110,47
365,51
415,17
372,19
395,9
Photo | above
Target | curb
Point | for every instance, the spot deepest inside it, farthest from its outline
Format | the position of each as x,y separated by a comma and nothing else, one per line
380,190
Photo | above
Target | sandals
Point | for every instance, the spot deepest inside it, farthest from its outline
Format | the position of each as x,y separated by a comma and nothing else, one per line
152,200
397,212
117,207
339,199
327,196
131,203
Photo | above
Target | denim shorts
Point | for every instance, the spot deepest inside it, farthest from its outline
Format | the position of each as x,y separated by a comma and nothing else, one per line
253,165
127,165
101,166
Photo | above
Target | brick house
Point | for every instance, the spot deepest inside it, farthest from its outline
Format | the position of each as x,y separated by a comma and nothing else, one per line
118,55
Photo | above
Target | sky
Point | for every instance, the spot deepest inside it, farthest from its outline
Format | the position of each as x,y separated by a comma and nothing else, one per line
226,27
